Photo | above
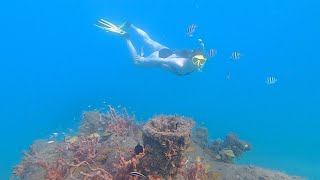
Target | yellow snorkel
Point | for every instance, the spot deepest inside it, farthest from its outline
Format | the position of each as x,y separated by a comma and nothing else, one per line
199,61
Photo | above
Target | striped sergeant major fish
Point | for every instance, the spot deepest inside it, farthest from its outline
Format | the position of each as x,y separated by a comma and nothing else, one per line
235,55
212,53
271,80
191,29
137,174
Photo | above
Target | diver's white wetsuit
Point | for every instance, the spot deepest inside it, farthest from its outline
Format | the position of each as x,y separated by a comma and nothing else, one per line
173,63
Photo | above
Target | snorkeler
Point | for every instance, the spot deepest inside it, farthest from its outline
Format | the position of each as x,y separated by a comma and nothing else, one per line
179,62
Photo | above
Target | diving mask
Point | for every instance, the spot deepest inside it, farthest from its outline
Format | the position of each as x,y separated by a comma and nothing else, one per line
199,60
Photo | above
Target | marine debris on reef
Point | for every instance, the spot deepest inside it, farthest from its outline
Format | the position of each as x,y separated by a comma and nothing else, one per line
114,146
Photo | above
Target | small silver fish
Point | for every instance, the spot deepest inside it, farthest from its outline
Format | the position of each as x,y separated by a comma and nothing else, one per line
186,162
228,76
235,55
271,80
49,142
137,174
212,53
196,4
246,146
191,29
201,42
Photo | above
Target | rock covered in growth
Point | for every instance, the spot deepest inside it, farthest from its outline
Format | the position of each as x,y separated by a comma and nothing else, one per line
201,136
229,149
91,122
165,139
237,146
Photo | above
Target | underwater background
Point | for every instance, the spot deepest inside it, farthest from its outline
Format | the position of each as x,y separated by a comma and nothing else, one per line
54,64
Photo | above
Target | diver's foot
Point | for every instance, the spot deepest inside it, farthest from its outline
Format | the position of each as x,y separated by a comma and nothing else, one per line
109,27
126,25
126,35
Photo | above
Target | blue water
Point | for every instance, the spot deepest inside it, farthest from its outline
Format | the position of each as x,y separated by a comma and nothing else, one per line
54,63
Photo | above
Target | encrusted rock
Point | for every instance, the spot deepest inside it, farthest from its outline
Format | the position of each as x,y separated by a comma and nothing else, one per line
201,136
165,139
91,122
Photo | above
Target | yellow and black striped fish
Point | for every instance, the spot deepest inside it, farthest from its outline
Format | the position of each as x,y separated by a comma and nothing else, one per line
235,55
271,80
212,53
191,29
137,174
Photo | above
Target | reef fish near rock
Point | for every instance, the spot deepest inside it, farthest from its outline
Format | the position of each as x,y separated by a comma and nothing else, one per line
137,174
138,149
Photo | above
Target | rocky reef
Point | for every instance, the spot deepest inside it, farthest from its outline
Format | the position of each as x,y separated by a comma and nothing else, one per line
226,151
114,146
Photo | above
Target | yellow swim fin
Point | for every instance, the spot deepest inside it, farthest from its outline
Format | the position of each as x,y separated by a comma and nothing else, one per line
109,27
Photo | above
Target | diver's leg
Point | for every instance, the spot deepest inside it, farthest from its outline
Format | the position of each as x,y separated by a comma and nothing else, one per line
135,56
154,45
149,61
